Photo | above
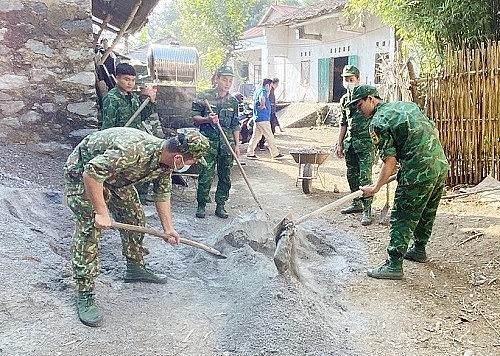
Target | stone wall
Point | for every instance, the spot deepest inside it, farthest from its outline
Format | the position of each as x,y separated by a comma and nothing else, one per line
46,71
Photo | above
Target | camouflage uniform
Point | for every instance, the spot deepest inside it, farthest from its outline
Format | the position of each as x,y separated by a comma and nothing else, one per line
401,130
118,108
358,147
118,157
219,154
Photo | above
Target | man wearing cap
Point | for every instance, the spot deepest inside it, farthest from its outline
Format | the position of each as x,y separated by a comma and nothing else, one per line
100,175
223,110
355,144
406,136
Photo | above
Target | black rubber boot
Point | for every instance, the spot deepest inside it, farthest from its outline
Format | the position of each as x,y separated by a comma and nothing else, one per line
391,269
138,273
200,211
416,253
88,312
355,207
366,219
221,212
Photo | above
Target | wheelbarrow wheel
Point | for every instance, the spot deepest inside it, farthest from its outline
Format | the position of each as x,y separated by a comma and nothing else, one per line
307,182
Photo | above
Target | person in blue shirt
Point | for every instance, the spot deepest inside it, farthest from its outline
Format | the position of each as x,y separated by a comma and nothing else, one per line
262,119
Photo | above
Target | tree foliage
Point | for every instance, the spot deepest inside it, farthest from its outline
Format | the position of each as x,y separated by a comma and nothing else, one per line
214,27
429,25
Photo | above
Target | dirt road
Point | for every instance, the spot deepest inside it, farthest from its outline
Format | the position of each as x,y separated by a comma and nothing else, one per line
241,306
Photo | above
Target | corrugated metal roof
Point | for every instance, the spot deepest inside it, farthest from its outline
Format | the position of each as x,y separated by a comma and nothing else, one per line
120,11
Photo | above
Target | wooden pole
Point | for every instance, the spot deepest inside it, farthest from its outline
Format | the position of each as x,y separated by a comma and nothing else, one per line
124,28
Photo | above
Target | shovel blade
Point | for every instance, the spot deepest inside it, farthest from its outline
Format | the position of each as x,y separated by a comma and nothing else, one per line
278,229
383,215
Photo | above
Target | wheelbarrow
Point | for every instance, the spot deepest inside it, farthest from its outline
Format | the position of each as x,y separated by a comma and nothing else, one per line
309,160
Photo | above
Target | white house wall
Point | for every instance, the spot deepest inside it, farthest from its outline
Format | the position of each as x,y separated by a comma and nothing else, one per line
283,45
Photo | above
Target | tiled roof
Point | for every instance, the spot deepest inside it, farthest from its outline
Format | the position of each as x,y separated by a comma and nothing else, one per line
253,33
321,8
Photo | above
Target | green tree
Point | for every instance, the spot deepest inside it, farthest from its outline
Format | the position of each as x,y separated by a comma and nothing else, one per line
214,27
427,26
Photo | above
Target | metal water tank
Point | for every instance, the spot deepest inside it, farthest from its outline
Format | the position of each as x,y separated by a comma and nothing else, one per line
173,63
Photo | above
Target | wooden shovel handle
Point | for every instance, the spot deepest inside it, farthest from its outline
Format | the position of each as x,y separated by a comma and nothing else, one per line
336,203
147,230
235,158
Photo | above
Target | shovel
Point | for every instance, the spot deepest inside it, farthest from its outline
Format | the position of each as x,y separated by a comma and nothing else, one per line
285,230
147,230
235,157
385,209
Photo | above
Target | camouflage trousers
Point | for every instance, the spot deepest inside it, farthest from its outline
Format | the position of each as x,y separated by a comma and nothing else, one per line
125,207
219,160
413,215
359,171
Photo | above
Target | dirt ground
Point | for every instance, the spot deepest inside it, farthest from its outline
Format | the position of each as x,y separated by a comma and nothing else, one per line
241,305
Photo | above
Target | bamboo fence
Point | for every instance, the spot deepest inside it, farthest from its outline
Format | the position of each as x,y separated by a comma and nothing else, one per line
464,101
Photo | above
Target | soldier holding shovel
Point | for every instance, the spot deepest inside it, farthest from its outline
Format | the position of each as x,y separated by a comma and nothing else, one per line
100,175
404,134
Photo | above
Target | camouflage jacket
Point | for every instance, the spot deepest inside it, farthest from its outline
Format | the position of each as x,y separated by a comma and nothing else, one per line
401,130
119,157
357,134
118,108
226,108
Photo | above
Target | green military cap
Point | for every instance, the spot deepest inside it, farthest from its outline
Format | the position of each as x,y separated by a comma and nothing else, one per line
349,71
195,144
225,70
363,91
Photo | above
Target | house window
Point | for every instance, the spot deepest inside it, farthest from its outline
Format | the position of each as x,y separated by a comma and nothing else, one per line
305,72
257,74
381,61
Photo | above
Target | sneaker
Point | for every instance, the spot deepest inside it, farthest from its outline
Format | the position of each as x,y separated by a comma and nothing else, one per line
138,273
253,157
88,312
279,156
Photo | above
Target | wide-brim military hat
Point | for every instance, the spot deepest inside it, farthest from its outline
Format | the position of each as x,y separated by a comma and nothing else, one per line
363,91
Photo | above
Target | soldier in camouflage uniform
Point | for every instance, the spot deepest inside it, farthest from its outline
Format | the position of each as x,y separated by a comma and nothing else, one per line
121,103
100,175
225,108
404,134
355,144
